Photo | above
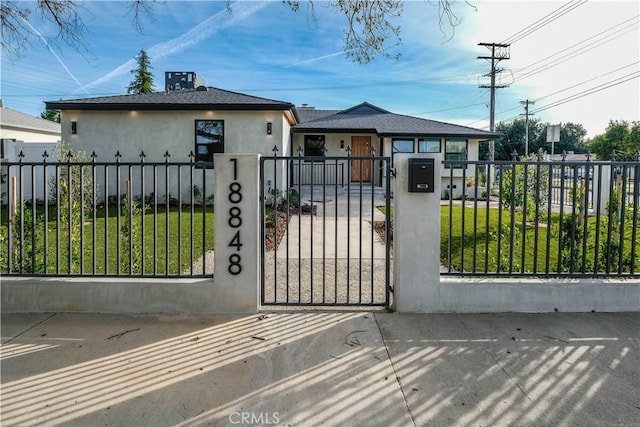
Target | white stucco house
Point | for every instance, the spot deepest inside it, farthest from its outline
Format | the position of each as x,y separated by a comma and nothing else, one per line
209,120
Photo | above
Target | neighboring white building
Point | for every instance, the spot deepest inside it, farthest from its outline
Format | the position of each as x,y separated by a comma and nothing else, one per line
31,136
23,127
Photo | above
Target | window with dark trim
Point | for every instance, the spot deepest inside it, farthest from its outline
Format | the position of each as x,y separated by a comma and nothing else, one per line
314,145
209,139
399,145
402,146
428,145
455,149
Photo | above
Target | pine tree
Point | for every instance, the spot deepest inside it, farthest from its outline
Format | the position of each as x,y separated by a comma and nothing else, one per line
143,78
51,115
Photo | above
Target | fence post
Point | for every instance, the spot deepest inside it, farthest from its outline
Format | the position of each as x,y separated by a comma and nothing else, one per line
603,185
237,231
416,239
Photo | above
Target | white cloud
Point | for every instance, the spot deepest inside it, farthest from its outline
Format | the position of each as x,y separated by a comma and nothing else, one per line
202,31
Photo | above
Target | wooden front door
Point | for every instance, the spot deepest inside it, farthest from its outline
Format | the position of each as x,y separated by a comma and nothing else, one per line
361,170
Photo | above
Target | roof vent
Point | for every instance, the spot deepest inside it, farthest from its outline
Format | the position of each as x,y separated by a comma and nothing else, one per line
202,89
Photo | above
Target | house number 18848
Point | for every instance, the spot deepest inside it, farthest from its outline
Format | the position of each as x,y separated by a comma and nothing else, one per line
235,221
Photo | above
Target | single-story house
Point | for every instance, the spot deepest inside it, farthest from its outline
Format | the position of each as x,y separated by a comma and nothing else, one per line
367,129
209,120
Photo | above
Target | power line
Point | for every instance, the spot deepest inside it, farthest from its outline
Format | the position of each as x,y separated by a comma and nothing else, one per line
526,115
462,107
543,67
634,19
606,85
545,20
586,81
591,91
499,51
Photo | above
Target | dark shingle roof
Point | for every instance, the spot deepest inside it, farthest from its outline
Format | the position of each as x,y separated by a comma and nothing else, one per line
371,119
17,119
210,99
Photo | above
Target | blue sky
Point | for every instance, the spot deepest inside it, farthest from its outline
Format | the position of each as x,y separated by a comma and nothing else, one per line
591,52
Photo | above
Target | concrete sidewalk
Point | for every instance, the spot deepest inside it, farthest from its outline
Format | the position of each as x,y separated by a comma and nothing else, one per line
331,369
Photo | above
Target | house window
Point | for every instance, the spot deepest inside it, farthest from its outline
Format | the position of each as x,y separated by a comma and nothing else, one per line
428,146
314,145
401,146
209,135
455,149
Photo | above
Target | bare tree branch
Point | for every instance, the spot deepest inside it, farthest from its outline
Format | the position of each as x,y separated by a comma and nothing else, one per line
14,31
370,29
142,7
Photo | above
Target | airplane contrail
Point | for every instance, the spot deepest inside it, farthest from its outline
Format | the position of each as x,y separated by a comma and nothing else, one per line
203,30
44,41
306,61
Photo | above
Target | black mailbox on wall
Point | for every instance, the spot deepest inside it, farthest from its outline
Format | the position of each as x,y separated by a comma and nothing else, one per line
421,175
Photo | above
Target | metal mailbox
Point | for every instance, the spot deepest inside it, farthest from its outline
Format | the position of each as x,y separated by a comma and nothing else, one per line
421,175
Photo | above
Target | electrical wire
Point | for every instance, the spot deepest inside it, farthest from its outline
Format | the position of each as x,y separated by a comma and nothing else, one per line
591,91
545,20
584,49
586,81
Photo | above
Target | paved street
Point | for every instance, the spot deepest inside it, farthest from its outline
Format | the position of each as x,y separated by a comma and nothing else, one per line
330,369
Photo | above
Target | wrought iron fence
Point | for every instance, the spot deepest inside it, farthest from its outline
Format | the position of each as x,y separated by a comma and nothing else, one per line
79,216
324,243
318,172
542,218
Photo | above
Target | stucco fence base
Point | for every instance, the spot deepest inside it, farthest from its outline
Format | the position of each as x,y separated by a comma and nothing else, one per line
531,296
201,296
132,296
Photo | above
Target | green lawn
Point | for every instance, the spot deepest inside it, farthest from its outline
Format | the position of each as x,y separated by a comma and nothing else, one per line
485,241
166,245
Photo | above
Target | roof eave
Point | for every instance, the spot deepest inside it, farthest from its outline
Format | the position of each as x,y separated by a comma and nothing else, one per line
61,105
481,137
331,130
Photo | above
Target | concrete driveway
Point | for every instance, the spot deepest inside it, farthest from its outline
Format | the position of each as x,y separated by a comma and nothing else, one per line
332,255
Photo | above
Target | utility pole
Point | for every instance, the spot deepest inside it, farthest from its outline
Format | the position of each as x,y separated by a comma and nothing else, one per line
499,52
526,115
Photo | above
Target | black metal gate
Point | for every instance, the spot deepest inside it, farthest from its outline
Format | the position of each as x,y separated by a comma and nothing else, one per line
326,231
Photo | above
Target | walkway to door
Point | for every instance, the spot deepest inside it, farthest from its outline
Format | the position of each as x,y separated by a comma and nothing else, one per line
331,253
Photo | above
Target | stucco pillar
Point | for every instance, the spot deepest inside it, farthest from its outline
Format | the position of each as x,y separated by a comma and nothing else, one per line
602,180
416,250
237,232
